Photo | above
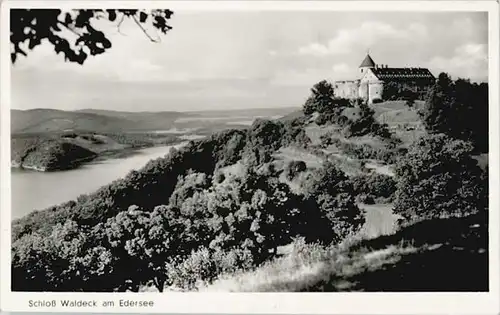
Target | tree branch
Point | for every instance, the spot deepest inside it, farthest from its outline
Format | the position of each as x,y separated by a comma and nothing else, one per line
69,28
120,23
143,30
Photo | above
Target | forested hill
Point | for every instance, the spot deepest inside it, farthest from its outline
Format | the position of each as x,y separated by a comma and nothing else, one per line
154,183
232,203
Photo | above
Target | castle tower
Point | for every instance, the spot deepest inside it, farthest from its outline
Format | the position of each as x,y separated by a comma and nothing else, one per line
366,64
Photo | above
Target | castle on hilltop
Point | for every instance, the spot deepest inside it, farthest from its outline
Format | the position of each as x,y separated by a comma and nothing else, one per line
373,77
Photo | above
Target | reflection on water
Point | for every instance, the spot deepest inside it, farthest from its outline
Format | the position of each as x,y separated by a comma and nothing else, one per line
38,190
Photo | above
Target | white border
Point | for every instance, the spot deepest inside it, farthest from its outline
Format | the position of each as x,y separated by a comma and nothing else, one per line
252,303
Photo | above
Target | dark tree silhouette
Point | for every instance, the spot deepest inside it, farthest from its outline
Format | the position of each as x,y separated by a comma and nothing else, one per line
458,109
73,32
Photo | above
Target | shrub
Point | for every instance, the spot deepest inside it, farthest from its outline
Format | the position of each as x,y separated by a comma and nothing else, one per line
388,154
330,190
438,177
322,119
205,265
293,168
366,124
357,102
366,199
376,185
377,101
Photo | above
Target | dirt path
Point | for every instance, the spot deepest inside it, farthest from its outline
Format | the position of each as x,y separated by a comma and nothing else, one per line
379,220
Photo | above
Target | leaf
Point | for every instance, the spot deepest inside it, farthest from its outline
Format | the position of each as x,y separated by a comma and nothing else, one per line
111,15
142,17
68,19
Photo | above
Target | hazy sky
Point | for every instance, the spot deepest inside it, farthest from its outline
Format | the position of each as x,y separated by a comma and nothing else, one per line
218,60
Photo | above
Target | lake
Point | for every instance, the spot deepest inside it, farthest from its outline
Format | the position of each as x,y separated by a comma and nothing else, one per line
33,190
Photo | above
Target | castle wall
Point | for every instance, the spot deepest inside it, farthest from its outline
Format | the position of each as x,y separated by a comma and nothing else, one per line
371,87
346,89
375,91
363,90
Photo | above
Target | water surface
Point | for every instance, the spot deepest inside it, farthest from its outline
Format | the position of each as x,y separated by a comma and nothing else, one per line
33,190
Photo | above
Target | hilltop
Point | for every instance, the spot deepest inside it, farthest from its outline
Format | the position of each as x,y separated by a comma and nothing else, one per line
49,155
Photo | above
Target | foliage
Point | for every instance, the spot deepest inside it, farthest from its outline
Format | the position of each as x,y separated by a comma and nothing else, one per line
74,32
148,187
458,109
330,190
375,185
410,100
48,154
61,261
323,100
446,255
205,265
366,124
439,177
264,137
334,117
388,154
377,100
393,91
293,168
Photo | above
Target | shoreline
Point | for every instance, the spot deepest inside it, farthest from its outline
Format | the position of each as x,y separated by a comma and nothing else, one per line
101,156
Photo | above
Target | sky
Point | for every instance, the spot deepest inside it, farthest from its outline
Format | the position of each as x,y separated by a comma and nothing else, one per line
234,60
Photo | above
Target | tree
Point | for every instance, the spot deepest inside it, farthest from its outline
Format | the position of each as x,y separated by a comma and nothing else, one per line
331,191
322,95
410,99
437,109
366,124
438,177
458,109
389,90
159,242
74,32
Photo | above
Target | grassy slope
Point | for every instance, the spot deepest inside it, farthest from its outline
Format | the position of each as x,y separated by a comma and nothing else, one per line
420,257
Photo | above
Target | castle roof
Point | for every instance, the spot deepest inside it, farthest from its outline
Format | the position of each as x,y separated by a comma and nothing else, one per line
367,62
402,73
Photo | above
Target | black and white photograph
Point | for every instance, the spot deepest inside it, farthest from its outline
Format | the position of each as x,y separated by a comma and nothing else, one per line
159,150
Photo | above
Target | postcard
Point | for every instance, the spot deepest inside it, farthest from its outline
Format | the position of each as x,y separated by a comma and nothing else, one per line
253,157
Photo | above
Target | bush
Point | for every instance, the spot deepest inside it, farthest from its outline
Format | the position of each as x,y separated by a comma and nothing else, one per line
205,265
376,185
293,168
366,124
377,101
366,199
438,177
357,102
330,190
388,154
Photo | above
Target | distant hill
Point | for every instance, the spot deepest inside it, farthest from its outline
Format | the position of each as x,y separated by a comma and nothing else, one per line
51,120
293,115
47,120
